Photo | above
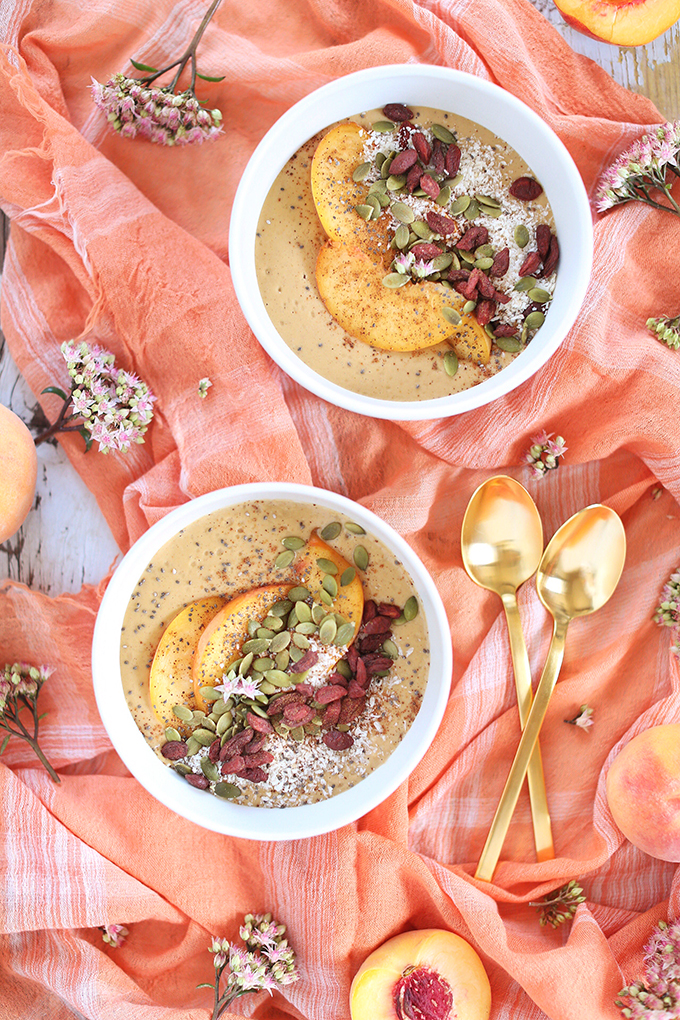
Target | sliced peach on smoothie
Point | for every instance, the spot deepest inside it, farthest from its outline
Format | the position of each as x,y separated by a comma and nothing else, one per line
620,22
431,973
221,641
316,562
171,679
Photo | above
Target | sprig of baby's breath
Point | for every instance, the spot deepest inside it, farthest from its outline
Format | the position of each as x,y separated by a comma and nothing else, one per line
560,905
544,453
647,168
20,685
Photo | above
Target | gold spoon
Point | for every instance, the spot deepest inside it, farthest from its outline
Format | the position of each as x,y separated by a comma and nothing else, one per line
578,573
501,542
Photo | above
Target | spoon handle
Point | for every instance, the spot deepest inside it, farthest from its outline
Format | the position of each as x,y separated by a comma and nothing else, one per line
540,814
513,785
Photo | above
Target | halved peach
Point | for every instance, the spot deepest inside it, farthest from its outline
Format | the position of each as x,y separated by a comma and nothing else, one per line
334,191
431,973
621,22
349,601
221,641
170,679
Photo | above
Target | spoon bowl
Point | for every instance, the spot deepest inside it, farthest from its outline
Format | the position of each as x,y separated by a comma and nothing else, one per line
577,575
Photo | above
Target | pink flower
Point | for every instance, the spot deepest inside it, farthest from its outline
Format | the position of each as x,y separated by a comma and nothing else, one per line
114,934
544,453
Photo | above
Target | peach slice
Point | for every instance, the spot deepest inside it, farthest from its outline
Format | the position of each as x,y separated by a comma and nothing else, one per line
350,598
18,470
621,22
220,642
422,975
643,791
170,679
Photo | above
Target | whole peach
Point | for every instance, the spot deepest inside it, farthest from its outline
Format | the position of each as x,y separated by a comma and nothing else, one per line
643,791
18,472
421,975
621,22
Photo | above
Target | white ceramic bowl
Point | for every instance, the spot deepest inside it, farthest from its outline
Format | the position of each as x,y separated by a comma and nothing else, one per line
221,815
458,93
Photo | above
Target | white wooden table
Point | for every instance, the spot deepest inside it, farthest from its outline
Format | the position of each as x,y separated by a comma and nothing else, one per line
65,541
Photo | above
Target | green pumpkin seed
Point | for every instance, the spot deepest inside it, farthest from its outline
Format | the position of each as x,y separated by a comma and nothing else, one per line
259,710
451,315
347,577
443,134
182,712
325,598
208,724
344,669
444,196
172,734
293,542
330,585
318,613
298,678
224,723
451,363
353,528
282,608
375,205
298,594
298,734
344,727
510,344
247,660
210,771
395,280
227,790
472,211
263,664
281,729
331,531
401,236
402,212
489,201
389,648
277,678
264,632
455,261
306,628
267,688
303,612
284,559
383,199
204,736
380,159
282,659
327,631
300,641
521,236
485,262
422,231
221,707
396,181
442,261
344,634
534,320
468,307
256,645
361,172
385,168
491,211
209,694
361,557
468,257
193,746
279,642
184,770
292,620
382,126
253,627
488,329
483,250
539,295
419,193
460,204
364,210
525,283
410,608
327,566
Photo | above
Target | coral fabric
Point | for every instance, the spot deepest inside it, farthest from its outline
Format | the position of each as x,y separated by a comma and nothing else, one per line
126,243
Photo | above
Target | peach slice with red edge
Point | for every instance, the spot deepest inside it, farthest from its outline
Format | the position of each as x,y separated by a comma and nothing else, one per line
621,22
221,641
643,791
170,678
421,975
349,601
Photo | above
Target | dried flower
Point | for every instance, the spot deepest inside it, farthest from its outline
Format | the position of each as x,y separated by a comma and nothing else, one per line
108,405
134,106
668,611
583,718
545,452
264,962
203,387
560,905
666,329
241,686
114,934
650,164
657,996
403,262
20,685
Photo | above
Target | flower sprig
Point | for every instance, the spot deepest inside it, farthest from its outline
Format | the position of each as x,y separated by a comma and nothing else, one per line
106,404
583,718
666,329
20,686
263,962
646,168
135,106
114,934
544,453
668,611
657,995
560,905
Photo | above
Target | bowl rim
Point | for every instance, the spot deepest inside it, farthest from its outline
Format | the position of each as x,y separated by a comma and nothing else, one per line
211,812
282,139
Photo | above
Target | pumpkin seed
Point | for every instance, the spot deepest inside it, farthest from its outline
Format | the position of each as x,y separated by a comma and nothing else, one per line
327,631
442,261
267,688
539,295
375,205
284,559
383,199
325,598
389,648
361,557
208,724
327,566
330,585
182,712
361,172
259,710
344,669
347,577
422,231
292,620
395,280
525,283
396,181
485,262
385,168
380,159
382,126
221,707
264,632
401,236
281,608
460,204
468,257
484,249
455,262
306,628
331,531
203,736
227,790
491,211
451,315
172,734
209,694
344,727
184,770
210,771
318,613
298,594
472,211
247,660
293,542
300,641
354,529
508,343
224,723
298,734
410,608
468,307
277,678
521,236
534,320
303,612
488,200
443,134
451,363
419,193
263,664
193,746
281,729
444,196
253,627
282,659
279,642
364,210
344,634
298,678
402,212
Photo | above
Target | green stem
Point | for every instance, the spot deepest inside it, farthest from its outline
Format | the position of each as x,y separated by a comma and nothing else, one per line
23,734
61,424
188,55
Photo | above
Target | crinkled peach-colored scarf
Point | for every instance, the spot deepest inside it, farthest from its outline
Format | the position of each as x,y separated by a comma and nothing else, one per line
129,241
